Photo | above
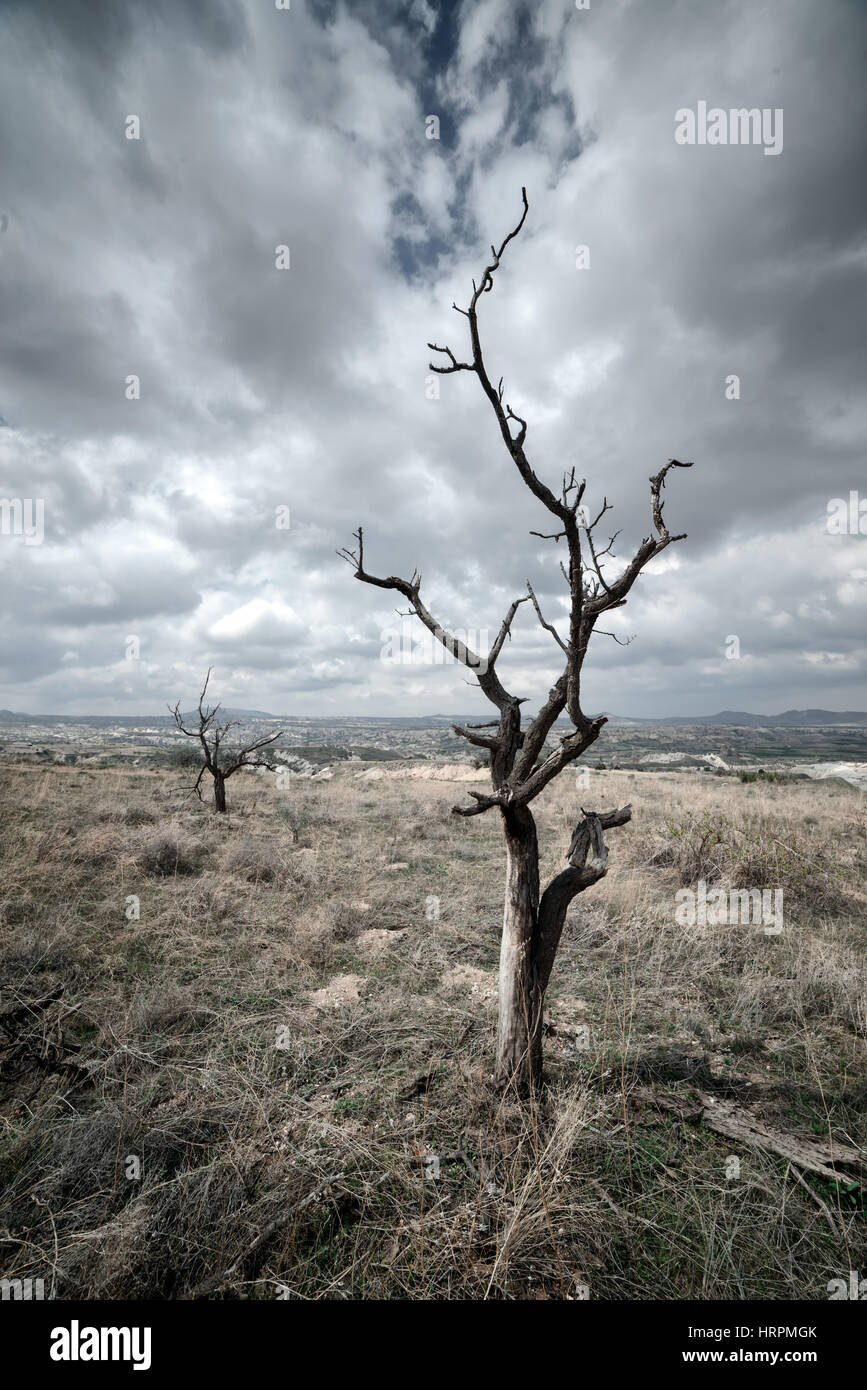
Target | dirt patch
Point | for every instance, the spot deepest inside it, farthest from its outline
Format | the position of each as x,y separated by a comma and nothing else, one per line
445,772
375,940
343,989
568,1006
469,978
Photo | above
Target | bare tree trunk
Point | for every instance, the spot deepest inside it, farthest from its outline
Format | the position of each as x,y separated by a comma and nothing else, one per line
519,1031
219,792
532,927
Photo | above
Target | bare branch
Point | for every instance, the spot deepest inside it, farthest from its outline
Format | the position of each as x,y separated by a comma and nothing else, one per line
484,670
657,483
456,366
537,733
571,747
505,630
569,485
243,759
595,558
467,731
515,444
510,415
483,803
197,786
549,627
615,593
608,550
552,536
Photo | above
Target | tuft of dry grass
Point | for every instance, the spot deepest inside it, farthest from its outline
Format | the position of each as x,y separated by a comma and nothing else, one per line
164,852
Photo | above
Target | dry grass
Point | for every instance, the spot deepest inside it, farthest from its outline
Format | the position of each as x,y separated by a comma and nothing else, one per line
216,1038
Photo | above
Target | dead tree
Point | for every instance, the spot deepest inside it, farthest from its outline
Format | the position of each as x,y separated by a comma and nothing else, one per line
220,759
524,760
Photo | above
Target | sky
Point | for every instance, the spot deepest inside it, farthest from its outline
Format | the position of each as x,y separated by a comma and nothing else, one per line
199,420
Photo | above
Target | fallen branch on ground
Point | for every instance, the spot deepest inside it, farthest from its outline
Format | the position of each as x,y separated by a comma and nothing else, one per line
727,1119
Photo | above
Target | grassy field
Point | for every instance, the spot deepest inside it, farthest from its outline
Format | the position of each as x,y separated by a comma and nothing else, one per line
248,1056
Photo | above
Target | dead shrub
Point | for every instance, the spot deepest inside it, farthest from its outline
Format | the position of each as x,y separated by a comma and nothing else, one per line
343,921
138,815
168,853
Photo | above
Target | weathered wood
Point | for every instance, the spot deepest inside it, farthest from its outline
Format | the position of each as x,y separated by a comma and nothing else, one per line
532,929
519,1025
741,1127
735,1123
574,879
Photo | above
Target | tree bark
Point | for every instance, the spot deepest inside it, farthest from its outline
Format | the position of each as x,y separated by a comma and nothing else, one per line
532,927
519,1029
219,792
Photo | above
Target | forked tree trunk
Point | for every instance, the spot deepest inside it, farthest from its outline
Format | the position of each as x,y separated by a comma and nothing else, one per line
219,792
519,1030
532,928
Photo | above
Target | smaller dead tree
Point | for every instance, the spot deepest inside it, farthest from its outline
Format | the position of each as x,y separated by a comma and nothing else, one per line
221,758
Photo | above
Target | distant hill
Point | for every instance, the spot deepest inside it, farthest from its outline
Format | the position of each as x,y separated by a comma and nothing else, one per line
793,718
8,716
228,713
